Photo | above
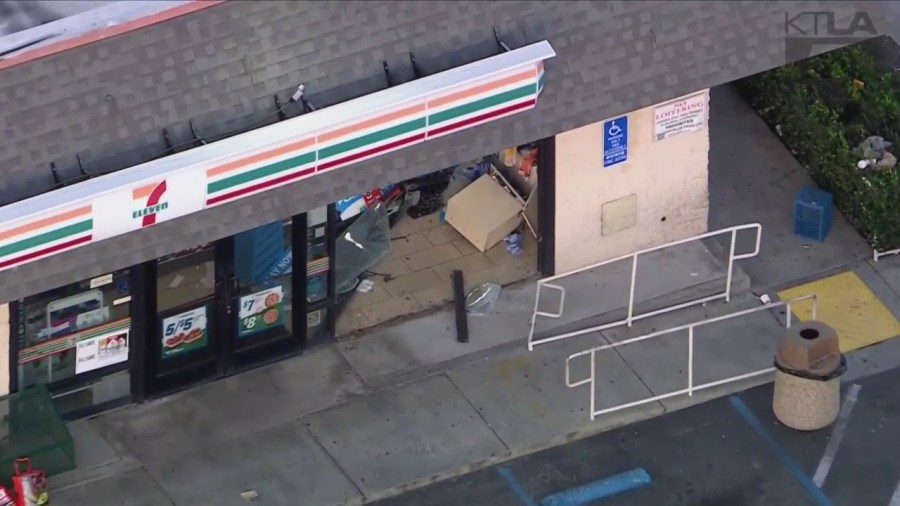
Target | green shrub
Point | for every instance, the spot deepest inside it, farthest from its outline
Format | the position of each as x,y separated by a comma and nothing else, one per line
823,108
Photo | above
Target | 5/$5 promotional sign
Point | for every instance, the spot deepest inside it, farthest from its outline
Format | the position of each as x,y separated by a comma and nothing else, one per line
184,332
147,203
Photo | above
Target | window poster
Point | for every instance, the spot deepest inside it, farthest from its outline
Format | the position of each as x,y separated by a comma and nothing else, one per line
261,311
97,351
184,332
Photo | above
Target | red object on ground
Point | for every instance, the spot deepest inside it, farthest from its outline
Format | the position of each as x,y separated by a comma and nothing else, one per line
31,484
7,498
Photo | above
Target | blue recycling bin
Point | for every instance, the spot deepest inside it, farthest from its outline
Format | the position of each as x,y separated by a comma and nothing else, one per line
813,213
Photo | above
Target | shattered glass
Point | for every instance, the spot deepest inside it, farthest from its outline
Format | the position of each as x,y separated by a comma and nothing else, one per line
365,243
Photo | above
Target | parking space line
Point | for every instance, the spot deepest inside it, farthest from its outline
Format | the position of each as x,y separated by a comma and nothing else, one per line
599,489
837,433
815,492
895,499
516,487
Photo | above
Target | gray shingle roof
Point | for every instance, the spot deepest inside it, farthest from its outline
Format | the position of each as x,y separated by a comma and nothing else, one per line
221,66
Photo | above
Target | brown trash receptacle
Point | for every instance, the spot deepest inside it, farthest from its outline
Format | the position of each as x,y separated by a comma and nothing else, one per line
808,370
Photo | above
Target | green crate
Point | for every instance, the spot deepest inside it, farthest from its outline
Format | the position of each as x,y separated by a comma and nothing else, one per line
30,426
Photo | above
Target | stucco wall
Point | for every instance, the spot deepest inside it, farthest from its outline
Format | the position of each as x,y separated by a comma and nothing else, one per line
668,180
4,349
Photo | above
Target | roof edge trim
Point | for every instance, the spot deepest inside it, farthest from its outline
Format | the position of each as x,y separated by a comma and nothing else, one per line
321,141
92,26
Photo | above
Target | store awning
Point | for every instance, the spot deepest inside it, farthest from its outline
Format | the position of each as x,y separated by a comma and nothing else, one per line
329,139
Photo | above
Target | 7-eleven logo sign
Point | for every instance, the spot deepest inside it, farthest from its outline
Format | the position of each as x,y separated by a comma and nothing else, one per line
149,198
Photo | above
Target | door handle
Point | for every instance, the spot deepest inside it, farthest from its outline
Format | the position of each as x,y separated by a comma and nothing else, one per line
225,290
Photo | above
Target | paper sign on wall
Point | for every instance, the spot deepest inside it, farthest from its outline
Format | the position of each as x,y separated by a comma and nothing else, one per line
615,141
680,117
101,351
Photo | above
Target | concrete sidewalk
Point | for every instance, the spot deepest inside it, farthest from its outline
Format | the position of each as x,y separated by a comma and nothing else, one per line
360,420
265,431
314,431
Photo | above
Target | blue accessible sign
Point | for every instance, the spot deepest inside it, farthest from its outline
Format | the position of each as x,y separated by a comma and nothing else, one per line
615,141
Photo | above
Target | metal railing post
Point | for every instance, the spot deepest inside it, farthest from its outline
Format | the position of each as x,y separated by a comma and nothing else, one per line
691,360
534,313
730,266
691,387
593,384
632,314
631,290
876,255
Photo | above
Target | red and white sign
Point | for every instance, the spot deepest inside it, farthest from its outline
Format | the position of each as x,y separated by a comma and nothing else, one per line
148,203
680,117
101,351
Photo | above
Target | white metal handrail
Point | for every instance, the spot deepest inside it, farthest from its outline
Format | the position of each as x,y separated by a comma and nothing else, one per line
691,388
878,254
631,318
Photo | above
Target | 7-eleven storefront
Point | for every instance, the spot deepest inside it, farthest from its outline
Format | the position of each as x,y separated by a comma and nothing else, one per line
217,308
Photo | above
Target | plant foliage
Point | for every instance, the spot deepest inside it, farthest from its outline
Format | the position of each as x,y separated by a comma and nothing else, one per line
823,108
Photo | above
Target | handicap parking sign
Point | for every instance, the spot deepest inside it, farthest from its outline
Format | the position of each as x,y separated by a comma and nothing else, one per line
615,141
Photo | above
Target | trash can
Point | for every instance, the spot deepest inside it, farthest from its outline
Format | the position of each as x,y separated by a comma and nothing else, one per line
808,370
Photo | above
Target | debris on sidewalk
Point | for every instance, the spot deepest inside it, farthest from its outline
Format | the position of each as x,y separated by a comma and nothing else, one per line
30,483
514,244
482,299
484,212
365,286
249,495
6,497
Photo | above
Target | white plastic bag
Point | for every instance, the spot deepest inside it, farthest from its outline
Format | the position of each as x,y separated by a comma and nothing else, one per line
482,299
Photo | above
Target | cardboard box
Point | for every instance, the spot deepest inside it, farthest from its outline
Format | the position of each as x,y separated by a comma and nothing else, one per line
484,213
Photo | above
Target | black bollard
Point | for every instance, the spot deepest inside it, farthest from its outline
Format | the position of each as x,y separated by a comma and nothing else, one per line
459,301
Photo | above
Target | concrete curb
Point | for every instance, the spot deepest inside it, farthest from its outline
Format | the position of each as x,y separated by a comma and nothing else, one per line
624,418
889,350
122,465
588,430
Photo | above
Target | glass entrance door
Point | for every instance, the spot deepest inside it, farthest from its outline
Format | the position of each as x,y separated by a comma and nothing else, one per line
185,344
262,303
245,300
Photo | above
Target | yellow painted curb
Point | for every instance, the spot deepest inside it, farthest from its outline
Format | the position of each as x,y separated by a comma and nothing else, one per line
849,306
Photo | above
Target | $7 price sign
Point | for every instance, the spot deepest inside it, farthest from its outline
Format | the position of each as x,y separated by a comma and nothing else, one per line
247,309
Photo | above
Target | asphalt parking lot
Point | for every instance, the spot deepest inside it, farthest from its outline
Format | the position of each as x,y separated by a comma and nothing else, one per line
728,452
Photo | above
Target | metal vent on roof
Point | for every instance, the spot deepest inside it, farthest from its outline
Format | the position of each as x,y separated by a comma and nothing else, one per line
58,182
280,114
